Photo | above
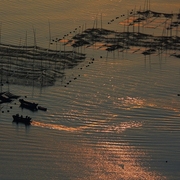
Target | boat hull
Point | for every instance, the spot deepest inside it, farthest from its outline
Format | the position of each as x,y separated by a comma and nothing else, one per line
20,119
28,105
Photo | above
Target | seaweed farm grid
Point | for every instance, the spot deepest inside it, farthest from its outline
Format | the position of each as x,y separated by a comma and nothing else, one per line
33,65
146,32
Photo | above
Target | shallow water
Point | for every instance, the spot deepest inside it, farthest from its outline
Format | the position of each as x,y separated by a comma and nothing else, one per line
118,120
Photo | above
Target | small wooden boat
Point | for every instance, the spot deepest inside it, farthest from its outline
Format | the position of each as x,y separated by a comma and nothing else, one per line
28,105
6,97
20,119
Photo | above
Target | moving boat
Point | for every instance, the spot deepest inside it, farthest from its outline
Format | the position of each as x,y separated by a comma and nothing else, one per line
28,105
20,119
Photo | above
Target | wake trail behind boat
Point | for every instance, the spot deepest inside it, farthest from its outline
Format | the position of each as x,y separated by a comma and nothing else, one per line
54,126
94,125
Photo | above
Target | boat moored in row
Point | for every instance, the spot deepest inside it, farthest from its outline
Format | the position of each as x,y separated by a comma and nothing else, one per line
29,105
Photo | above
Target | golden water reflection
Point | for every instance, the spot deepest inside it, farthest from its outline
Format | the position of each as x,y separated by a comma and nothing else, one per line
53,126
120,161
129,103
134,102
105,161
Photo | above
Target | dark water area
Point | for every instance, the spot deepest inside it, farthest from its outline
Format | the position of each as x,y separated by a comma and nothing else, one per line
113,115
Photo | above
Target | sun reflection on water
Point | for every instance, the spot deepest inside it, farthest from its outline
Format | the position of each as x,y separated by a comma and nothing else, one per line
130,102
120,161
106,160
123,126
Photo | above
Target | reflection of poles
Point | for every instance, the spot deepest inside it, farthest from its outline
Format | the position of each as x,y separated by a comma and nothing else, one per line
171,27
0,31
123,41
35,45
127,22
138,21
133,20
166,35
96,21
101,21
127,31
177,26
82,28
42,72
26,45
56,45
49,34
9,68
49,38
60,55
1,77
64,53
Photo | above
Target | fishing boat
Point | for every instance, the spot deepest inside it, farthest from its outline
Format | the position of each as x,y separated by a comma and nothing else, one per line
4,98
20,119
29,105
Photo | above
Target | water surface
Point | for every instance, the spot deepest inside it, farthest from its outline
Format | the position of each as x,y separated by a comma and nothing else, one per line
119,119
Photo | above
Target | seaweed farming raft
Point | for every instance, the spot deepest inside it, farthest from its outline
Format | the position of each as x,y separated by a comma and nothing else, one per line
146,32
112,40
33,65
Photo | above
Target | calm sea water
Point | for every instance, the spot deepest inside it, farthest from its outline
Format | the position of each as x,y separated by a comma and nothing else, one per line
118,120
